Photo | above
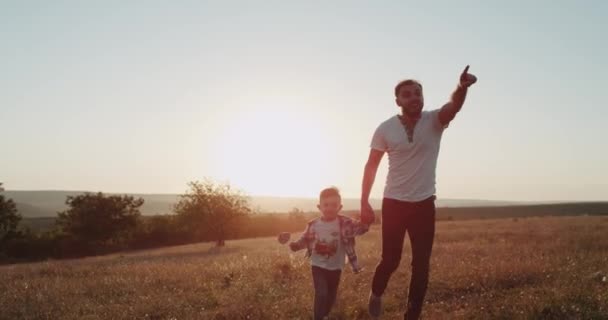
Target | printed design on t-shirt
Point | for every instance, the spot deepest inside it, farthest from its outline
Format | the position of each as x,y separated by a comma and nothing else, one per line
327,248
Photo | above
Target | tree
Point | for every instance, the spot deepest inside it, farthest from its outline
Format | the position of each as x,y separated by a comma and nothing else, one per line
296,214
156,231
9,218
99,220
211,211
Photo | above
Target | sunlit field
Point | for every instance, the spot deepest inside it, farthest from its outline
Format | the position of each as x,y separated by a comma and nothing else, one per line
525,268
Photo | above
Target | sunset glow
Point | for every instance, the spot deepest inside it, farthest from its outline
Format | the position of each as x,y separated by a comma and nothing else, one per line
276,148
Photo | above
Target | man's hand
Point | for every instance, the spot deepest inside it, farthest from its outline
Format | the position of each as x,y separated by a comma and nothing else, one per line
467,79
449,110
367,213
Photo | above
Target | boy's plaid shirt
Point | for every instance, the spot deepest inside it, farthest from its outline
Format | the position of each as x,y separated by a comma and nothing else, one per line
349,229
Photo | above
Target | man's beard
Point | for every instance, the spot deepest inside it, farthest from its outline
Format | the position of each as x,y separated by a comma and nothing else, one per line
412,114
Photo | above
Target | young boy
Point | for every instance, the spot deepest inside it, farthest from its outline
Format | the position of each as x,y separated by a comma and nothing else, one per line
328,240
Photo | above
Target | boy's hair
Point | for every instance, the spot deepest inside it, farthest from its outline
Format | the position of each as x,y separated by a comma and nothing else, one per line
329,192
407,82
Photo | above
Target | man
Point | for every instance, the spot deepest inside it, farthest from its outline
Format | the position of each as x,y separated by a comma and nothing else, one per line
412,141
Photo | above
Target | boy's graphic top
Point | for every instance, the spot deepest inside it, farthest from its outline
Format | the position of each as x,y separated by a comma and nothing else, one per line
326,248
327,251
347,230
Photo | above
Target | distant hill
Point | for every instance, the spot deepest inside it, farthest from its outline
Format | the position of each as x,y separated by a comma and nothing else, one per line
284,204
535,210
32,204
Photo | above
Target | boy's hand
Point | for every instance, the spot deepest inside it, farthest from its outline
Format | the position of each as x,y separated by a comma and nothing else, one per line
293,246
284,237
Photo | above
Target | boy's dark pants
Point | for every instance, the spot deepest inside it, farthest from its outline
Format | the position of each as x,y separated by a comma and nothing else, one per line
326,288
418,219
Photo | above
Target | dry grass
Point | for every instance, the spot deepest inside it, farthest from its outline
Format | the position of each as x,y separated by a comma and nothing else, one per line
530,268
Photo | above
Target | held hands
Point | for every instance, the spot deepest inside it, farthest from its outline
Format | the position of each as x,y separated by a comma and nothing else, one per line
467,79
367,213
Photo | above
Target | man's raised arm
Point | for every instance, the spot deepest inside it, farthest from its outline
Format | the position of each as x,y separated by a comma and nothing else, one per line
449,110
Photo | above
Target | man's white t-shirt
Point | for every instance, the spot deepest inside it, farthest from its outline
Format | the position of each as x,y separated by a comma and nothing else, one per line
328,251
411,165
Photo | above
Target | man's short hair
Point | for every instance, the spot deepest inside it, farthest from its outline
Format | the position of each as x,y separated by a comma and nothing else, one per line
329,192
407,82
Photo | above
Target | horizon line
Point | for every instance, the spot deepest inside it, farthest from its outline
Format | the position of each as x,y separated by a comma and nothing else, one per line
302,197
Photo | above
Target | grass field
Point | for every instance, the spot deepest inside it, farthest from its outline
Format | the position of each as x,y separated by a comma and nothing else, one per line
524,268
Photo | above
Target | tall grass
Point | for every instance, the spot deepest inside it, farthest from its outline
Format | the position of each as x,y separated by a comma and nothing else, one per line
525,268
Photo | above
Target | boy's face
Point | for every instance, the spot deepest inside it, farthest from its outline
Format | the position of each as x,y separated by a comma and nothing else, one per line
330,206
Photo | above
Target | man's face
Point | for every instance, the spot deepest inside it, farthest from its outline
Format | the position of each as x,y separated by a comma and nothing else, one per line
330,206
410,98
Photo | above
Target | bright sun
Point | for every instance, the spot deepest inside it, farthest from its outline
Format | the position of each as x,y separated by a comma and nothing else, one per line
274,151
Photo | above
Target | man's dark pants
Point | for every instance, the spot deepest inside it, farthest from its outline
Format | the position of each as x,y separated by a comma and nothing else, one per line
418,219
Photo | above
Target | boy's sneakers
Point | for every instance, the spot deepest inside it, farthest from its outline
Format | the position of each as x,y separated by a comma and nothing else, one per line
356,267
374,306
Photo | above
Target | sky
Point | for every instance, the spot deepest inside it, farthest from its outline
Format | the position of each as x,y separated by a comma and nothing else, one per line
282,97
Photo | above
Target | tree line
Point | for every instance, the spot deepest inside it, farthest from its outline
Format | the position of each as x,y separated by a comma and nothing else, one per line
96,223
